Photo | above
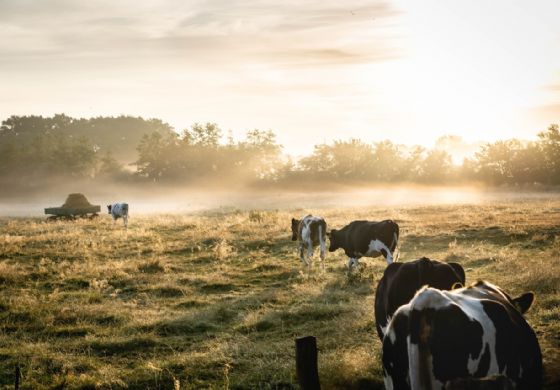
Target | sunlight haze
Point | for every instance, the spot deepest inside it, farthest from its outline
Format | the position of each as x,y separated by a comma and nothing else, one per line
310,71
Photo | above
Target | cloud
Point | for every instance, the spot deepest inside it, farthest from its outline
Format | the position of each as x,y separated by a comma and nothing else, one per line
213,33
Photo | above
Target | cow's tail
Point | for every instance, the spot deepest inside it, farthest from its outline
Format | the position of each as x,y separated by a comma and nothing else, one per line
395,242
322,239
419,357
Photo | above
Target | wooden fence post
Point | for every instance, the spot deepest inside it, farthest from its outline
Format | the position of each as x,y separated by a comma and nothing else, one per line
306,363
18,376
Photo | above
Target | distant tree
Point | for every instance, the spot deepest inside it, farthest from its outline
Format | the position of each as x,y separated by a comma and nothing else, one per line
206,136
436,167
412,169
388,162
155,152
528,165
495,161
343,160
549,141
261,153
118,135
109,167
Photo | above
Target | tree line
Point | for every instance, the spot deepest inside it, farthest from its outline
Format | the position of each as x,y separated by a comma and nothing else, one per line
36,148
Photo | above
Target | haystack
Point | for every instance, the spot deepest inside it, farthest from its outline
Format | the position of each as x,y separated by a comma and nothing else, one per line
76,201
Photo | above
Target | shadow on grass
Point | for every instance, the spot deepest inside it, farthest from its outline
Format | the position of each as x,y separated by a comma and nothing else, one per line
136,345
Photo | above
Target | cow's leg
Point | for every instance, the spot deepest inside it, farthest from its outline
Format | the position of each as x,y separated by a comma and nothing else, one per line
125,220
350,263
322,255
301,251
309,252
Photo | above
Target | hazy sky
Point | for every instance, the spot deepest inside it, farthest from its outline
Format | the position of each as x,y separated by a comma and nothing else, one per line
312,71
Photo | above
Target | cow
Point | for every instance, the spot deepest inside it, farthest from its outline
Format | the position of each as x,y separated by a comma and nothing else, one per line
366,238
119,210
400,282
476,331
311,231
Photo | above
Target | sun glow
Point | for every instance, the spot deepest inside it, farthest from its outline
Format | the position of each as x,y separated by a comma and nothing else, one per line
400,70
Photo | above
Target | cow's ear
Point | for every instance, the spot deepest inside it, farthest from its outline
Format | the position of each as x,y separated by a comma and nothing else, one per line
294,221
458,268
524,302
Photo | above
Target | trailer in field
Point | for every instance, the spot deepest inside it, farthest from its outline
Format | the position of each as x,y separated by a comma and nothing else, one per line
76,206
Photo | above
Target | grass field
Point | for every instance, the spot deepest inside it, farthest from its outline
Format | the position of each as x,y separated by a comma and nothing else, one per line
214,300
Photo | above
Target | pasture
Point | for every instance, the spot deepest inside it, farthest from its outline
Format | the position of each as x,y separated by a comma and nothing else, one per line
215,299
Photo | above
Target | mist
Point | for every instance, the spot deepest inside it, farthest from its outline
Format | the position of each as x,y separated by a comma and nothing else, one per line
182,201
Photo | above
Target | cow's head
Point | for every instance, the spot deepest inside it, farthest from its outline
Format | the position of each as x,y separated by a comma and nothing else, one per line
334,244
109,208
295,227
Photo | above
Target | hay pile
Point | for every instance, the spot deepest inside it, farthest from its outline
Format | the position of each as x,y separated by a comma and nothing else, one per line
74,201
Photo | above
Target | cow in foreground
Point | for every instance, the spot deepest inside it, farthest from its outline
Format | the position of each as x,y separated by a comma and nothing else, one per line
119,210
366,238
310,232
477,331
400,282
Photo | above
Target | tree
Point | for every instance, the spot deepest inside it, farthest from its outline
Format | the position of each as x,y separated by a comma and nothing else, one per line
206,136
388,162
155,153
436,167
343,160
549,141
495,161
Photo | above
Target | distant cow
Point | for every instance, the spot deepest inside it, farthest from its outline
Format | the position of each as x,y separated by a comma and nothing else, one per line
119,210
310,232
366,238
400,282
478,331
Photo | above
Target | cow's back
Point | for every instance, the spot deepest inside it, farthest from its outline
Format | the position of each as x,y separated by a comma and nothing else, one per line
358,232
119,209
312,228
465,333
400,282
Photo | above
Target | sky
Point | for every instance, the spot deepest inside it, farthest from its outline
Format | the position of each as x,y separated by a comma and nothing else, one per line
311,71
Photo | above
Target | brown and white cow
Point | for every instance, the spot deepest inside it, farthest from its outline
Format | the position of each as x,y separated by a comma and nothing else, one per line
310,232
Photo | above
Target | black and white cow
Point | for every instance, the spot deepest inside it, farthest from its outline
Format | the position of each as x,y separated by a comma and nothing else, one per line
310,232
119,210
477,331
366,238
400,282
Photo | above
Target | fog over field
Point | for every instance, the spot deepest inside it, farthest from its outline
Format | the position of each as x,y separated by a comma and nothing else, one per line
188,201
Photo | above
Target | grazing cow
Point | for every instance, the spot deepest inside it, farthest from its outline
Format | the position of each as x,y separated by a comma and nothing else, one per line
119,210
310,232
400,282
477,331
366,238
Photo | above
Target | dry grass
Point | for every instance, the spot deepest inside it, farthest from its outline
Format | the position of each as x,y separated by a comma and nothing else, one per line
215,300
